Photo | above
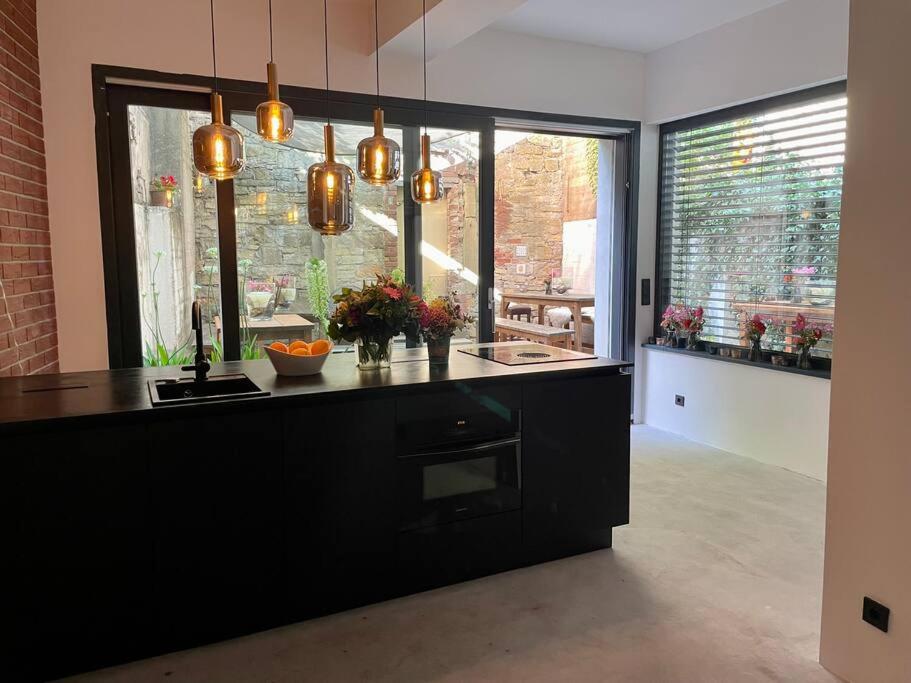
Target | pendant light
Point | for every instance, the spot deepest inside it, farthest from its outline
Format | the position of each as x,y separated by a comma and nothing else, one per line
329,184
379,159
218,150
426,184
274,118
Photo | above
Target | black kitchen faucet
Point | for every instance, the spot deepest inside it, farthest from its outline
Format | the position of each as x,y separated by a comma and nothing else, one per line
200,364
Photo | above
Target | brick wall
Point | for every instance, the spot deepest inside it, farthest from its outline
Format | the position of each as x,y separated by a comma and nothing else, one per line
28,328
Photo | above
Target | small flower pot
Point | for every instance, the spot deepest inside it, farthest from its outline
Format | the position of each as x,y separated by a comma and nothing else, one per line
438,351
164,198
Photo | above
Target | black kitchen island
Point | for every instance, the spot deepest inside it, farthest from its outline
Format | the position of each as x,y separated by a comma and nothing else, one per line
136,530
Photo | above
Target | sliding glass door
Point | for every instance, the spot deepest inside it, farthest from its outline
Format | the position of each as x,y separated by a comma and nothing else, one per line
244,249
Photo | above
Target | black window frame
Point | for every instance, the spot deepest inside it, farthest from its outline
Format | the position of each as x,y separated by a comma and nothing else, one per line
120,86
707,119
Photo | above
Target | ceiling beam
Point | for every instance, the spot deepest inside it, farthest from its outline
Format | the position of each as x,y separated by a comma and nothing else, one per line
449,22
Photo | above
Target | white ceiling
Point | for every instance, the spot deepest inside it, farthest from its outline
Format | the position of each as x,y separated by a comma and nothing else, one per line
638,25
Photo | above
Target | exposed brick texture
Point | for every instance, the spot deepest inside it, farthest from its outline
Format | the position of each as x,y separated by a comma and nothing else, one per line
28,326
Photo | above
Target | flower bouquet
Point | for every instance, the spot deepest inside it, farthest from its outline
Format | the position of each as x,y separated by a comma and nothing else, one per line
692,323
669,324
755,328
162,191
439,322
260,299
372,316
808,336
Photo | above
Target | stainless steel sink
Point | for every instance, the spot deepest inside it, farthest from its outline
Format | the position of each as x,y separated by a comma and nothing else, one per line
166,392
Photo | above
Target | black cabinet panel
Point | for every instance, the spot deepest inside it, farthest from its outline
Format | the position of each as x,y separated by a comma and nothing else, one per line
440,555
575,464
217,525
81,553
341,513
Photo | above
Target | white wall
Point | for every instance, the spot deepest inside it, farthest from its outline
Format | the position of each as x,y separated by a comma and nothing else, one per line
787,47
491,68
868,516
775,417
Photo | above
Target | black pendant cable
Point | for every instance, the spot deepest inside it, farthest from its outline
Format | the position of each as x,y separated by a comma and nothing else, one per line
326,43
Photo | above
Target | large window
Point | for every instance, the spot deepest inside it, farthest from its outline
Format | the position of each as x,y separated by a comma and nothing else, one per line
750,212
244,250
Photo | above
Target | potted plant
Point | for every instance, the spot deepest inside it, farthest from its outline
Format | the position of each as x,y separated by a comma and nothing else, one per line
371,317
162,191
669,325
808,336
440,320
693,323
755,328
260,299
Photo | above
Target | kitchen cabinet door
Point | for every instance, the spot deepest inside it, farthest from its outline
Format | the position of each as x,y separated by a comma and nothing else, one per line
216,521
575,475
341,513
76,509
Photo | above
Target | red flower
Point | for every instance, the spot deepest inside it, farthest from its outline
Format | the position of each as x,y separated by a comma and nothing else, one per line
393,292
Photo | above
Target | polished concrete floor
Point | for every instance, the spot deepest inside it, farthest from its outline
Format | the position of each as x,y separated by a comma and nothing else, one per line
717,578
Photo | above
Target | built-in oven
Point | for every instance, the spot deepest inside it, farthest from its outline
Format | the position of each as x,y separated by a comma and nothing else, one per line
462,481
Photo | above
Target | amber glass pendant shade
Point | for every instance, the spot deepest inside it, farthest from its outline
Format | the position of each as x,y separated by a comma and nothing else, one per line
426,184
379,159
274,119
218,150
330,209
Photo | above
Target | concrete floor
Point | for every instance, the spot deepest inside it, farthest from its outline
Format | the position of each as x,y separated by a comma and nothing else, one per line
717,578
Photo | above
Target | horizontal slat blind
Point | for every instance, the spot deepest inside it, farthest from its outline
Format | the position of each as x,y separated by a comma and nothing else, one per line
750,213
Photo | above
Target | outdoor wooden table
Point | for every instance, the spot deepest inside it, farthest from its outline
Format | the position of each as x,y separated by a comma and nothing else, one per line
283,326
574,301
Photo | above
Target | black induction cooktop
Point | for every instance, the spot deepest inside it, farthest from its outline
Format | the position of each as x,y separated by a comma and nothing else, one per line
523,354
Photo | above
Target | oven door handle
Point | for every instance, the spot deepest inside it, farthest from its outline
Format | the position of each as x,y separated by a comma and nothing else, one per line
477,448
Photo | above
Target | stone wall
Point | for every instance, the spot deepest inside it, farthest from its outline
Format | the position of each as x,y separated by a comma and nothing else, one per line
541,183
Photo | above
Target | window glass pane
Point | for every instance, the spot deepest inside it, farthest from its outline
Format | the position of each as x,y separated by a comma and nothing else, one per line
176,234
288,271
449,247
546,223
750,220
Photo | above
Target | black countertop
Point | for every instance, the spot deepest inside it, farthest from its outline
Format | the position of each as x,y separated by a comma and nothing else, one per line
36,399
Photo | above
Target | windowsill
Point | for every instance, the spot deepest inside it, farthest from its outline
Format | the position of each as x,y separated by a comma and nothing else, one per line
762,365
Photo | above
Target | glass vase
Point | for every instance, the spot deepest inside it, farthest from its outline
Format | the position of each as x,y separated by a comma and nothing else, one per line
755,350
438,351
373,354
692,341
803,358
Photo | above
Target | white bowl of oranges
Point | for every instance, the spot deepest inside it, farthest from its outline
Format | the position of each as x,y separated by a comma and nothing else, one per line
298,358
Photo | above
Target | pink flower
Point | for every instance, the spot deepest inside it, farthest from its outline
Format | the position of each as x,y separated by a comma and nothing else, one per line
393,292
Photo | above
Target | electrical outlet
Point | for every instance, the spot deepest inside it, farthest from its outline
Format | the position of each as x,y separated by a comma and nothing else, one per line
522,250
679,400
876,615
521,269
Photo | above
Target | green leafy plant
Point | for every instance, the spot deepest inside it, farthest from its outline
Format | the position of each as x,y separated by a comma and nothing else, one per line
318,291
156,352
248,348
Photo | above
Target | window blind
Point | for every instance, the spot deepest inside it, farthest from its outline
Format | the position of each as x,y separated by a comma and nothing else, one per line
749,218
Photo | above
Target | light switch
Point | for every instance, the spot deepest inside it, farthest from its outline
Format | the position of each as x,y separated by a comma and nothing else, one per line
521,250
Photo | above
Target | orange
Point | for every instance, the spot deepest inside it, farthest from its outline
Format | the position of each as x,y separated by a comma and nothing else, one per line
298,344
279,346
319,347
300,351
